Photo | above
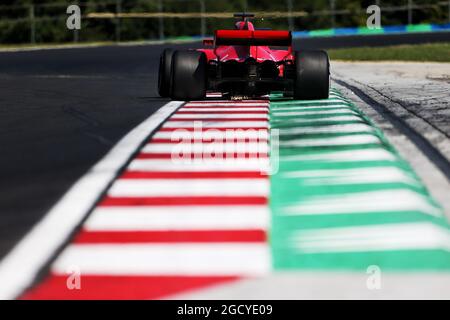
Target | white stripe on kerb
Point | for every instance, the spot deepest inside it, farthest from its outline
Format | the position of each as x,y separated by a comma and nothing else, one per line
314,102
313,113
235,109
200,165
167,259
226,104
216,124
206,147
332,141
220,116
390,200
373,154
340,106
188,187
353,176
208,135
401,236
338,128
178,218
314,121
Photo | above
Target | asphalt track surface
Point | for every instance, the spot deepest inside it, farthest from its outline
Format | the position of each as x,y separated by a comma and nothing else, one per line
62,111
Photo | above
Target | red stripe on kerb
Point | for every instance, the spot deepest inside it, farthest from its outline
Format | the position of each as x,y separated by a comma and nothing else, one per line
175,157
211,128
228,105
108,287
215,119
250,106
193,175
183,201
172,236
237,102
220,112
154,156
179,140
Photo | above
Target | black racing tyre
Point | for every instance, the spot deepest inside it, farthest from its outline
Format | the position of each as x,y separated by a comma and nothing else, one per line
312,75
165,63
189,75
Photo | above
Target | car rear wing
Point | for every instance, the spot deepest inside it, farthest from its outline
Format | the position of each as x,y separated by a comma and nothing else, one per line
252,38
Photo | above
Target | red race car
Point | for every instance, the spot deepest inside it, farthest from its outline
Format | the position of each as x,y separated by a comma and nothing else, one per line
244,62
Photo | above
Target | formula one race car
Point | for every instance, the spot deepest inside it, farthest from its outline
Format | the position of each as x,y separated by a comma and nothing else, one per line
244,62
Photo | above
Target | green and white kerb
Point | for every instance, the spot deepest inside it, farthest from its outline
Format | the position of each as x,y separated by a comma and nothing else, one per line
343,198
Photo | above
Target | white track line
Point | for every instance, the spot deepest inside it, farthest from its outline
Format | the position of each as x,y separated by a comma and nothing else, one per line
19,268
167,259
178,218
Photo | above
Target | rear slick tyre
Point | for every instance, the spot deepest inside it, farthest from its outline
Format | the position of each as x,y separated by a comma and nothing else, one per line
312,75
189,75
165,64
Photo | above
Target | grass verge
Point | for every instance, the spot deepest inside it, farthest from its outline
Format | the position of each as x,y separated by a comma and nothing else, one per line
437,52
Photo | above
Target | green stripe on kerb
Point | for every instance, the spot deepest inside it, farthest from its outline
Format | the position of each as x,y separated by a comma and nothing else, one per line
343,198
365,30
321,33
419,28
